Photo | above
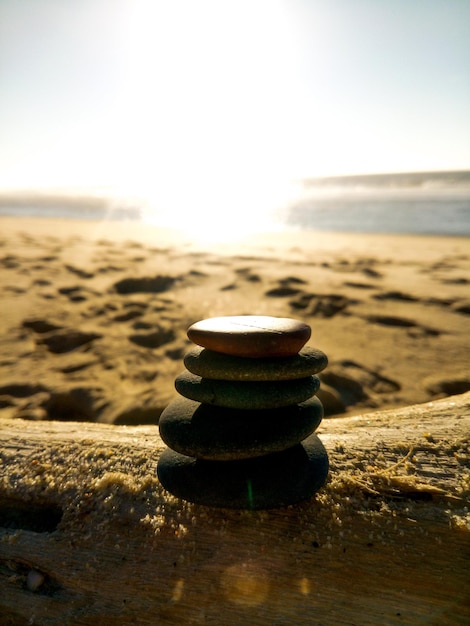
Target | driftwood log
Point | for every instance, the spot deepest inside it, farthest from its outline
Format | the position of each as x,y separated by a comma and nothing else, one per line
88,536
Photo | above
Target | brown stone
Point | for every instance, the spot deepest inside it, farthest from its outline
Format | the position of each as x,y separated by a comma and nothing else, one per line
254,336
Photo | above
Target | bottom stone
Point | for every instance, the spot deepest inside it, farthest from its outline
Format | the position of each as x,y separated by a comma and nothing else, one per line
266,482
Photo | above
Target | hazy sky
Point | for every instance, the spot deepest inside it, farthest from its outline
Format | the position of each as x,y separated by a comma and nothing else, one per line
139,95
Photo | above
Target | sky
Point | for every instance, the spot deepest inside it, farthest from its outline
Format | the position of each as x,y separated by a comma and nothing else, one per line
182,100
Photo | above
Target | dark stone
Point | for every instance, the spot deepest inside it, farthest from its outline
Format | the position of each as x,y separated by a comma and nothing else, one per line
251,336
220,434
246,394
218,366
267,482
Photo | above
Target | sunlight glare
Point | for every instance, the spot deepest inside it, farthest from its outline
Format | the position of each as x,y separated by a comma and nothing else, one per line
217,210
208,108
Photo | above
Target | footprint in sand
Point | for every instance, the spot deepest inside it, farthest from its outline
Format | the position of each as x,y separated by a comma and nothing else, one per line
142,325
77,293
461,306
247,274
155,339
369,271
10,262
138,415
244,273
40,326
288,286
146,409
346,389
325,305
395,296
77,366
79,272
354,383
357,285
456,281
128,315
21,390
100,310
439,301
360,265
176,354
21,395
110,268
282,292
79,404
416,330
196,274
66,340
443,387
145,284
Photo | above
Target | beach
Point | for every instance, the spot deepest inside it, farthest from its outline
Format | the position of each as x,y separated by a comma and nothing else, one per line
94,320
94,314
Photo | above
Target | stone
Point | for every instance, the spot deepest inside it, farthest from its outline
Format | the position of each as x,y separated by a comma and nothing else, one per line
252,336
210,364
246,394
266,482
220,434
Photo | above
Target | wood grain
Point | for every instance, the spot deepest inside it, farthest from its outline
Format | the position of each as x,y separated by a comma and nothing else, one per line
88,536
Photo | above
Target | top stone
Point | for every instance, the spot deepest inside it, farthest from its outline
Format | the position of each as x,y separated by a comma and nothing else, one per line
255,336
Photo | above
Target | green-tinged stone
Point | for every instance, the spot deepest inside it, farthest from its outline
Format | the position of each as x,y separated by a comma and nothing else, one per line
266,482
252,336
246,394
210,364
220,434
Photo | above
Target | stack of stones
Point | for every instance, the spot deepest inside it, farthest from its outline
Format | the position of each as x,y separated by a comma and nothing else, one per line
241,434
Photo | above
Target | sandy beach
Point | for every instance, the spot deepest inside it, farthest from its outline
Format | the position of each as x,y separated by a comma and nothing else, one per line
94,315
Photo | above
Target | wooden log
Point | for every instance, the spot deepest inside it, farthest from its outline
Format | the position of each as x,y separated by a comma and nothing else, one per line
88,535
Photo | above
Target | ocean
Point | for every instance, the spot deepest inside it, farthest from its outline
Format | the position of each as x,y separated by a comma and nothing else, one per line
436,203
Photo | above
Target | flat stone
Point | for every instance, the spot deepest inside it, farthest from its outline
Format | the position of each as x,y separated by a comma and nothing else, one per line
210,364
267,482
252,336
219,434
246,394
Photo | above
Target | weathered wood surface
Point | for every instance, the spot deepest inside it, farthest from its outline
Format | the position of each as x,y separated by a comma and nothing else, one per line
88,536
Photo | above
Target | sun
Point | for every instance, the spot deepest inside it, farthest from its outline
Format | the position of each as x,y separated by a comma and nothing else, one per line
217,210
208,89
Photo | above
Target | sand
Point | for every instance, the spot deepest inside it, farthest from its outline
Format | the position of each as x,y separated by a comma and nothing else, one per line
94,315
